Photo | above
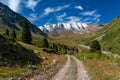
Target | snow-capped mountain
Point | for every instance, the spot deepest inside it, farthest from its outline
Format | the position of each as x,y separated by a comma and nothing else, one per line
63,26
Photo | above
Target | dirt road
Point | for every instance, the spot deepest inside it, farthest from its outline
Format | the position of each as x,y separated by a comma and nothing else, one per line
72,70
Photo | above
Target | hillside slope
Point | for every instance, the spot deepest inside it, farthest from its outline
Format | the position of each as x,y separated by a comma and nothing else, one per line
111,40
109,36
12,20
12,53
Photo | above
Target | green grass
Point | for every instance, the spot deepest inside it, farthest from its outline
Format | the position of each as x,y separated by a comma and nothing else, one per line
6,72
100,66
68,39
111,40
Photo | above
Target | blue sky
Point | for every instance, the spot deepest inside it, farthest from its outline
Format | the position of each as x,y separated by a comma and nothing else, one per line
41,12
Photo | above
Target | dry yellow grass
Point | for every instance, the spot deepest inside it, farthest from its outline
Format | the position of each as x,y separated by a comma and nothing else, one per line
7,72
100,67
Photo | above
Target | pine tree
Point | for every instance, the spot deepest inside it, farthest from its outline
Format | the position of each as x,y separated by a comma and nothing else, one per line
56,48
13,34
26,35
65,49
7,32
95,46
45,43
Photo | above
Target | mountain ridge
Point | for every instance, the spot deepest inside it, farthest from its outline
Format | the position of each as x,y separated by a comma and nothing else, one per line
63,26
74,27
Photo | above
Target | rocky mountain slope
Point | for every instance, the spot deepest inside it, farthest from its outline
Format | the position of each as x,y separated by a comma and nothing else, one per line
91,28
12,20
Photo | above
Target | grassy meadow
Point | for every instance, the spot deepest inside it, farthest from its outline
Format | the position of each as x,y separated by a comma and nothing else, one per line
100,66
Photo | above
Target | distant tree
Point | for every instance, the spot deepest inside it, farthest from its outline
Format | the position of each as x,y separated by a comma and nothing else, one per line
53,46
65,49
56,48
7,32
75,49
26,35
45,43
95,46
13,34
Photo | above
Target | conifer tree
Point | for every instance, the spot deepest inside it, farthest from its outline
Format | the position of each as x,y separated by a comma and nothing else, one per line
13,34
95,46
56,48
7,32
65,49
26,35
45,43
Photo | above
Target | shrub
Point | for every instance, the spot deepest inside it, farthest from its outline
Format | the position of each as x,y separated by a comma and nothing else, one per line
13,34
45,43
7,32
95,46
110,48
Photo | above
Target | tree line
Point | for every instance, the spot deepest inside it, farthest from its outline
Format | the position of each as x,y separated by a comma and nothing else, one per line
59,48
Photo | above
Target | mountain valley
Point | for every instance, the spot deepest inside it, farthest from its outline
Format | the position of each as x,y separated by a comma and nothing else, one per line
70,50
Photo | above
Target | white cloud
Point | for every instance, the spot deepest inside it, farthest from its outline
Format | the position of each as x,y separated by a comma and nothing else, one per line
49,10
97,15
88,13
73,19
4,2
92,19
32,17
32,3
60,18
97,20
91,16
14,5
79,7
